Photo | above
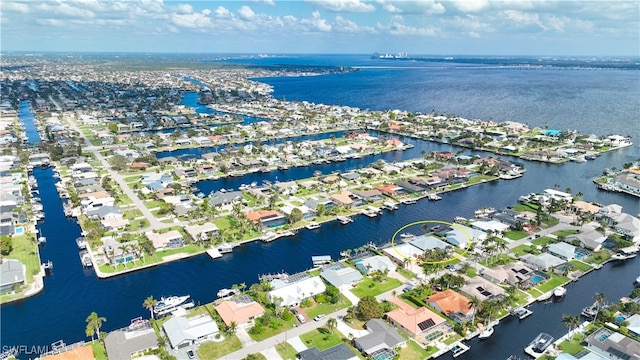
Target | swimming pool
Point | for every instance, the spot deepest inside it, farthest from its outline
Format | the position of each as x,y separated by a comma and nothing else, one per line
537,279
19,230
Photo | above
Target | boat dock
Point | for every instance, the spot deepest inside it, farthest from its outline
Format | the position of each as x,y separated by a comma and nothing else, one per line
214,253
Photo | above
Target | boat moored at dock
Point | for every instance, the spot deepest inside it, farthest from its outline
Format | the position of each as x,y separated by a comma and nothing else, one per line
459,349
560,291
538,346
521,312
312,226
170,304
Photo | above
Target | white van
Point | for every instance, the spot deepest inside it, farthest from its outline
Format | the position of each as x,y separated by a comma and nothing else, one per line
300,318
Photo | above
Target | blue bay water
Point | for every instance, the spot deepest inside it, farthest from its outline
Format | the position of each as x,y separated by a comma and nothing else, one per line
71,293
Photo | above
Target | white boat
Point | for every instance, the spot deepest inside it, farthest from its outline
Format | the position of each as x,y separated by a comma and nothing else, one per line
225,248
537,347
637,281
409,201
407,235
521,312
484,212
486,333
270,236
388,205
81,242
42,240
560,291
227,292
312,225
622,256
85,258
590,312
344,219
459,220
434,197
169,304
459,349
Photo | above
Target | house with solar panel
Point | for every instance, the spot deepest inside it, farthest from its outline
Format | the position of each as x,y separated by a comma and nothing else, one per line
612,345
419,323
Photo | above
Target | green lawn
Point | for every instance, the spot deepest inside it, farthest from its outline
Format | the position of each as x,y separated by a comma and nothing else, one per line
214,350
328,308
500,259
321,338
369,287
153,204
524,249
286,351
599,257
99,352
542,241
25,249
579,265
555,281
268,331
405,273
572,347
565,233
515,235
413,351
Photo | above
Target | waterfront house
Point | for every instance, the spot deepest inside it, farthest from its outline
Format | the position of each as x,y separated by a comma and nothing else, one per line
347,198
267,218
12,273
482,289
131,341
562,250
514,273
293,289
200,232
461,235
224,199
337,352
544,261
376,263
390,189
313,203
183,332
428,242
452,304
339,274
494,226
410,186
634,325
402,252
104,212
306,212
414,321
590,239
612,345
372,195
119,252
170,240
629,182
381,336
241,310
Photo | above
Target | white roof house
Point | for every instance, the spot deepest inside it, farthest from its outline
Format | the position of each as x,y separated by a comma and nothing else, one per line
562,250
460,235
491,225
292,293
542,261
375,263
183,332
401,252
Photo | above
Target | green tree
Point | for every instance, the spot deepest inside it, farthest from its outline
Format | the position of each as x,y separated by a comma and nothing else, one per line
118,162
6,245
113,127
571,322
149,303
369,308
332,323
94,322
295,216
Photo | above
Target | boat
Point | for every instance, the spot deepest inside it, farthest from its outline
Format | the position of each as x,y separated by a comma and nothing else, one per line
317,173
169,304
283,167
409,201
560,291
459,349
47,266
81,242
406,235
42,240
434,197
85,258
486,333
459,220
225,248
312,225
590,312
637,281
227,292
521,312
269,236
388,205
344,219
622,256
537,347
484,212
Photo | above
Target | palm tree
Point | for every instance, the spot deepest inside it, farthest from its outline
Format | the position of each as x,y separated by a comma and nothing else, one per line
231,329
474,303
571,322
149,304
94,322
332,323
599,302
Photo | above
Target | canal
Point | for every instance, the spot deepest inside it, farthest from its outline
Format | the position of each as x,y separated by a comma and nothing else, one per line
71,292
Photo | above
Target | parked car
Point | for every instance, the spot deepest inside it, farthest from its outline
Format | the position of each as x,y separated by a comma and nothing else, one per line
300,318
191,354
319,317
294,311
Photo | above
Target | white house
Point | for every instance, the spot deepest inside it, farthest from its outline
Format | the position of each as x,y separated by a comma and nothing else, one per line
375,263
292,291
183,332
562,250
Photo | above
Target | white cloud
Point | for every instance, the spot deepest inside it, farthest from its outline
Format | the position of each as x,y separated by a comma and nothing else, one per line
344,5
246,13
345,25
412,7
192,21
317,22
399,28
222,12
184,9
65,10
470,5
522,18
268,2
14,6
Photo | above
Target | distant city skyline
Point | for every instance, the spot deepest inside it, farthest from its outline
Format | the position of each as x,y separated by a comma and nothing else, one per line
453,27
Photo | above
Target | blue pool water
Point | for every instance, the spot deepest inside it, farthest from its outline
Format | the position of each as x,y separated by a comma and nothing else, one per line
19,230
537,279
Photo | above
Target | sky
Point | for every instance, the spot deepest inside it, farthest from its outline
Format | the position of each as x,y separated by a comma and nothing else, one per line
424,27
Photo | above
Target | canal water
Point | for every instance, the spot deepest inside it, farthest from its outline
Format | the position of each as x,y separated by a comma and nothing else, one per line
71,292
